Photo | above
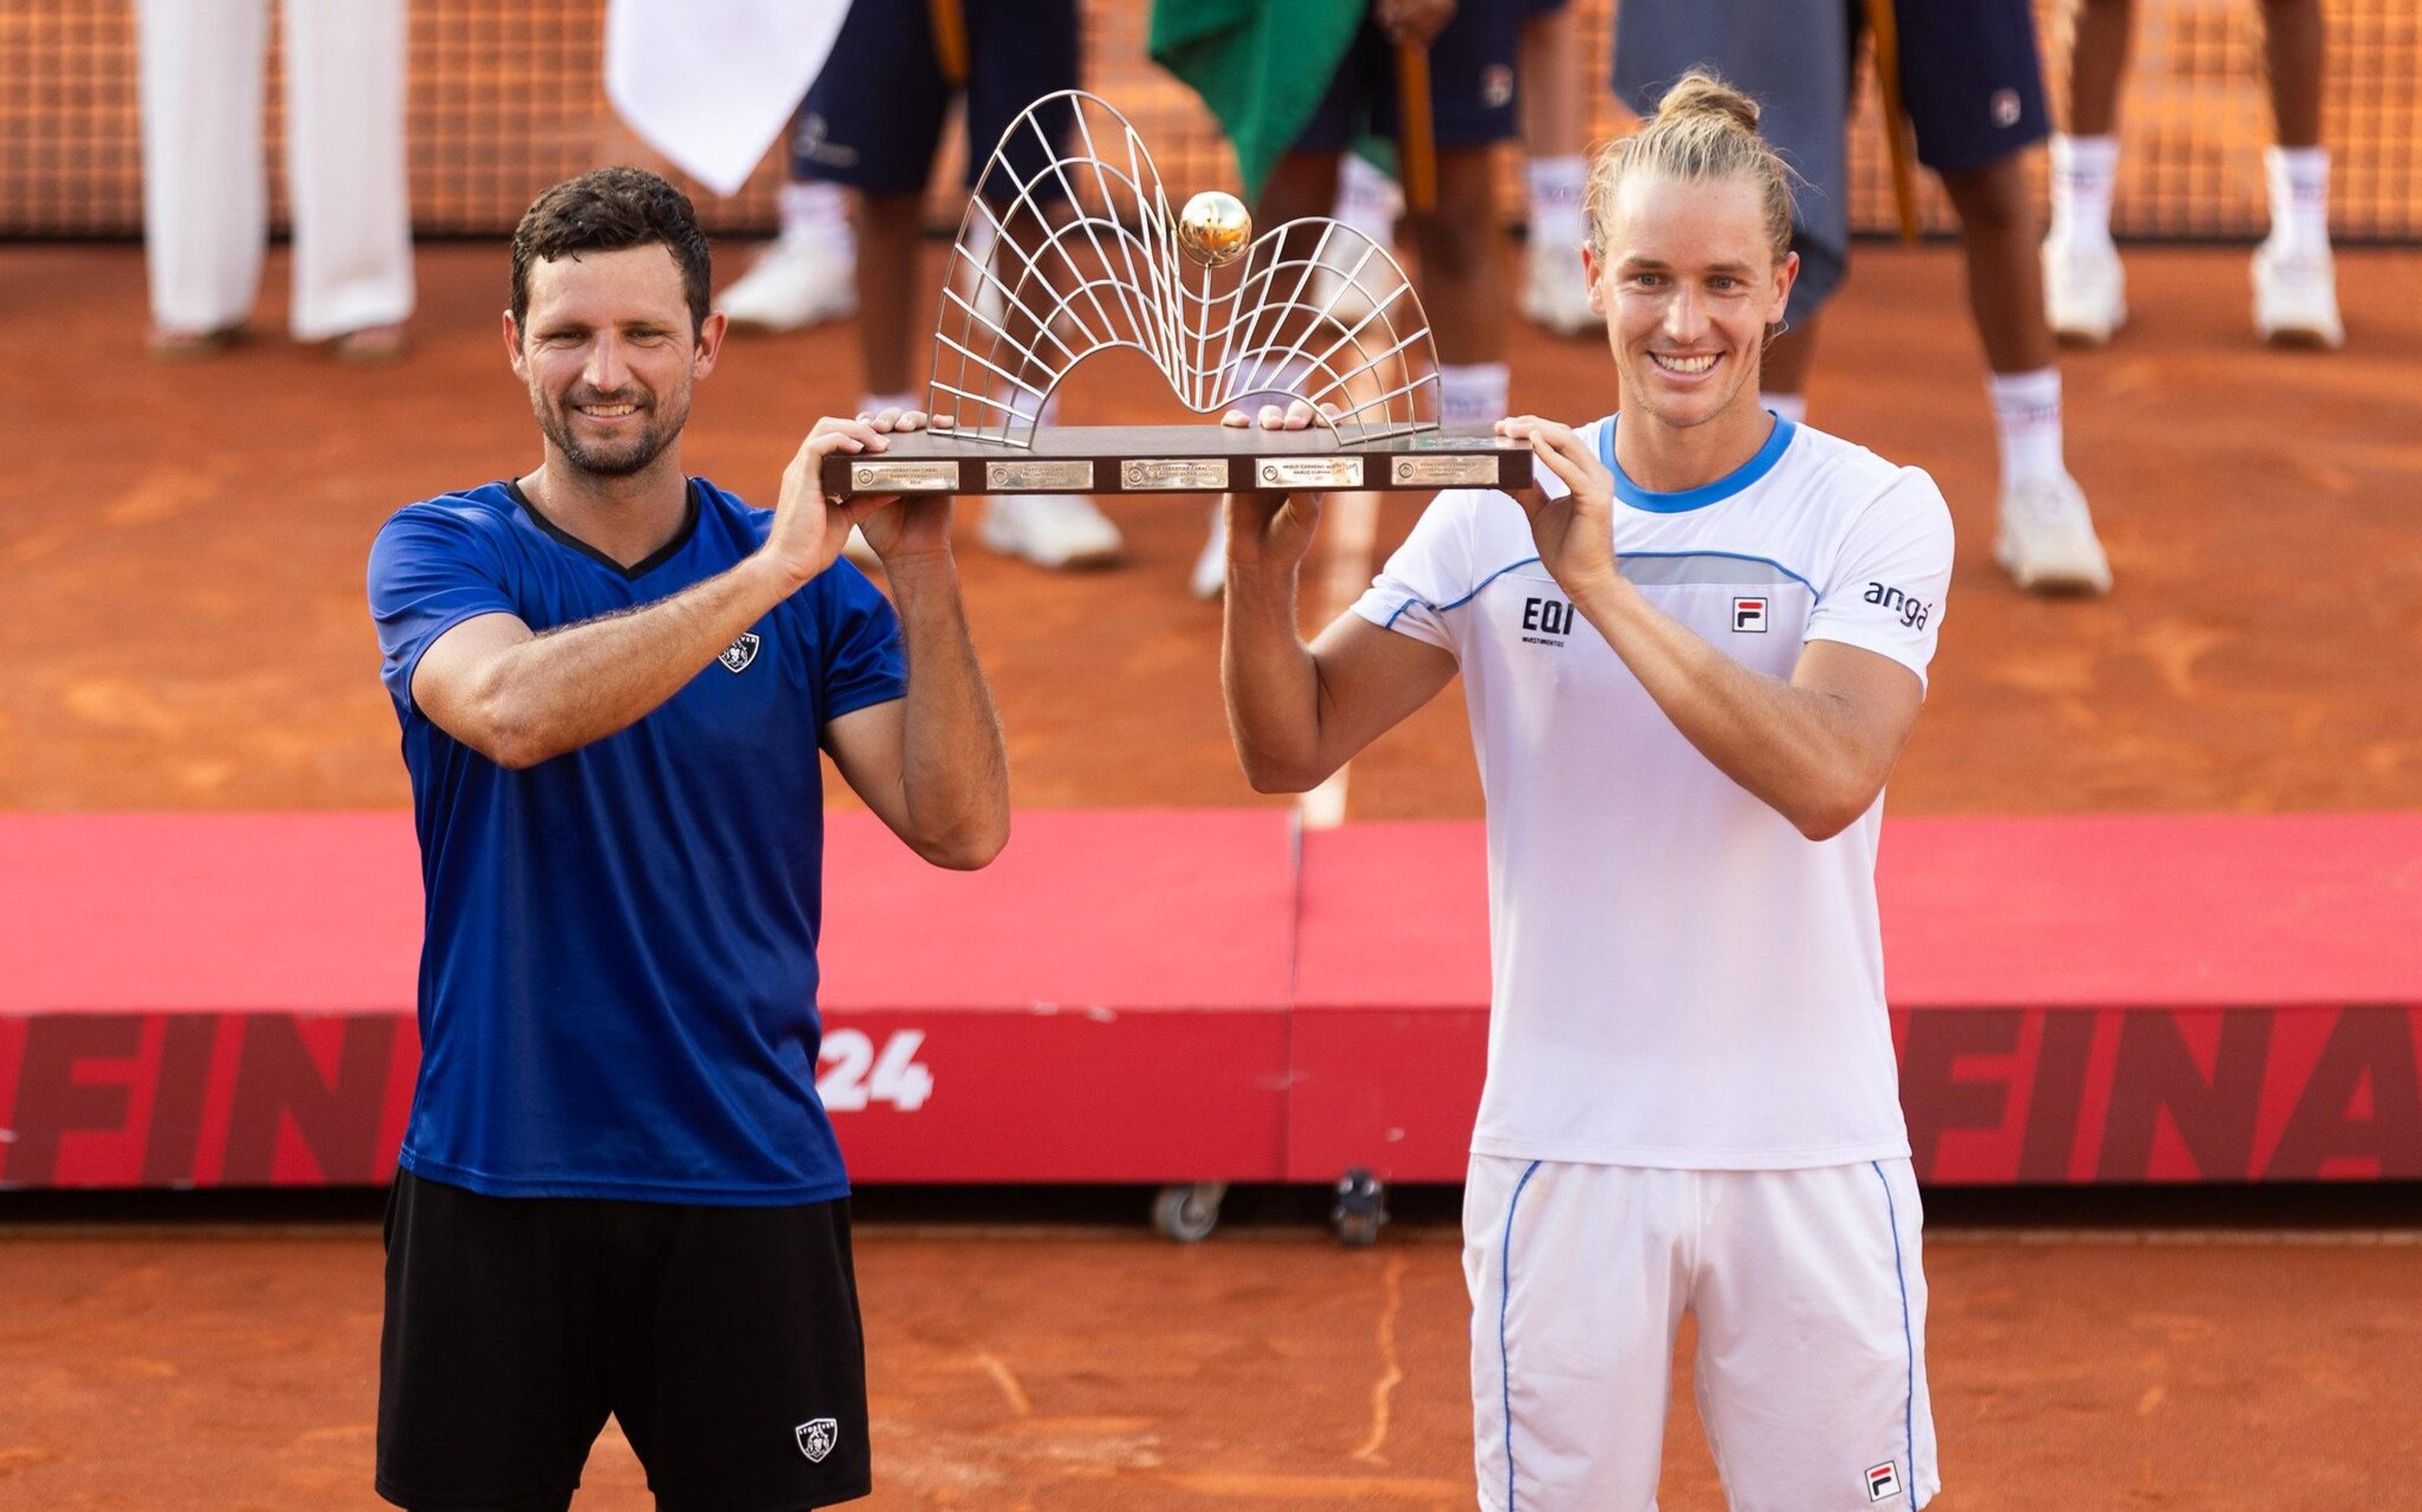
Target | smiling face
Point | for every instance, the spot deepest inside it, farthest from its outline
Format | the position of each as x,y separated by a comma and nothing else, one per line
610,354
1689,283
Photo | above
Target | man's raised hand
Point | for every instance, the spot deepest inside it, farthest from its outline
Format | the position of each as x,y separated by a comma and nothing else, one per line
809,530
1271,529
900,527
1575,534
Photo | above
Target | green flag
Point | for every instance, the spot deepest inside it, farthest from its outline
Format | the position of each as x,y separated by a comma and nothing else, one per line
1261,65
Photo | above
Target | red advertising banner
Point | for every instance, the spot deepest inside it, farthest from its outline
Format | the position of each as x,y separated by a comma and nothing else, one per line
1992,1095
1184,997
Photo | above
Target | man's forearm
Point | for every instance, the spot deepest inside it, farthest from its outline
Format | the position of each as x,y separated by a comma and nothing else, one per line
1794,749
1272,683
565,688
954,767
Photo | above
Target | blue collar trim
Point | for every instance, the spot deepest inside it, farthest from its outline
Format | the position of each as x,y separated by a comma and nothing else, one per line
1724,487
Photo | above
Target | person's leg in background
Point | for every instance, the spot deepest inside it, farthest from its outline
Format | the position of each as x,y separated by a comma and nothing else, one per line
2085,290
1973,86
1368,199
890,298
868,129
1553,88
205,204
2295,281
345,172
1460,238
1463,286
1304,183
1018,52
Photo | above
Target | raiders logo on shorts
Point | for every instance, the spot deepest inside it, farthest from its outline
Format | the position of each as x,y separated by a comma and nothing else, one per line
817,1437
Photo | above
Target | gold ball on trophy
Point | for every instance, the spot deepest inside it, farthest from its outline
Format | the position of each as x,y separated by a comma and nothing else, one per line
1214,227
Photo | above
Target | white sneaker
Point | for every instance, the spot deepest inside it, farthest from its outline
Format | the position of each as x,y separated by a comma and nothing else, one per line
2296,297
796,281
2046,542
1054,530
1210,578
2086,291
1553,293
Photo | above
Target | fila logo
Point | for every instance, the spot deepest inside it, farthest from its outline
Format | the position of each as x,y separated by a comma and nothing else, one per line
1748,616
817,1437
1883,1481
1912,614
738,655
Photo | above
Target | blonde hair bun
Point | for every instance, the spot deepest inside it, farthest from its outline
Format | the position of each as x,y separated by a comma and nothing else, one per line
1700,92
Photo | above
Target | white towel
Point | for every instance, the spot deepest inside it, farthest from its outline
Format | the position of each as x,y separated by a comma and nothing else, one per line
710,83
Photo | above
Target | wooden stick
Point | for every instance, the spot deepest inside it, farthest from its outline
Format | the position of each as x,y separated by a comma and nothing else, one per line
1416,142
950,40
1904,172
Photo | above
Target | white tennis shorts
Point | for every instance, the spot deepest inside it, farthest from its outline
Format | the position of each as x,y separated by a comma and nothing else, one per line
1811,1304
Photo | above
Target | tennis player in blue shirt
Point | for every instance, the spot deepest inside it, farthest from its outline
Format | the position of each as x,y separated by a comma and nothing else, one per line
619,1192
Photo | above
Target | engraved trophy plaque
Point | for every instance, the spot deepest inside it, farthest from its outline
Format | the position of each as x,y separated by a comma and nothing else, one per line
1084,255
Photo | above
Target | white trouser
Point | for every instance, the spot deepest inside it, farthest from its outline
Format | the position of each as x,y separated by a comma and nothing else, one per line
205,208
1811,1303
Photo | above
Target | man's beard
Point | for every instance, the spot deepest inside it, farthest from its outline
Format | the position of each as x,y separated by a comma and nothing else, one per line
621,458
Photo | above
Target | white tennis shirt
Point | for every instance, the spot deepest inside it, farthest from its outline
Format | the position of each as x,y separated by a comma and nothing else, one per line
1680,978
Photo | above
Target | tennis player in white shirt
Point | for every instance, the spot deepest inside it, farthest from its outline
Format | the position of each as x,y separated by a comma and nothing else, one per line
1692,659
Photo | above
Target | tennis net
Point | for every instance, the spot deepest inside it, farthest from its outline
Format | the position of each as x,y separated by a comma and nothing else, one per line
507,96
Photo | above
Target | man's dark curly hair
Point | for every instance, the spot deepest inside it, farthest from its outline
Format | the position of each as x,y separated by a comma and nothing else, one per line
607,210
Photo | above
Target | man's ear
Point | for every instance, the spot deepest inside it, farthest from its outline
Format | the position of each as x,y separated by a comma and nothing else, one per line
1589,276
710,345
1785,277
513,347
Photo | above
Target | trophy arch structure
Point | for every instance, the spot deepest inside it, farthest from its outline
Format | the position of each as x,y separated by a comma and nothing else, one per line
1083,255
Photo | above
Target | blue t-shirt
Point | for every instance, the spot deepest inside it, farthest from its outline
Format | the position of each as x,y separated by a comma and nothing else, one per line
618,982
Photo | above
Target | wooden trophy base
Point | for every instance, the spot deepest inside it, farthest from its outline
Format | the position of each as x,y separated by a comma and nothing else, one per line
1193,459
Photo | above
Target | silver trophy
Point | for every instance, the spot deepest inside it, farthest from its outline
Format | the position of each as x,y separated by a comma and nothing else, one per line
1067,250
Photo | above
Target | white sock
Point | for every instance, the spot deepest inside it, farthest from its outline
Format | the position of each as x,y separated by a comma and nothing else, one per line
877,403
2026,411
982,232
1472,393
1367,199
1557,185
2299,178
1791,407
813,208
2082,171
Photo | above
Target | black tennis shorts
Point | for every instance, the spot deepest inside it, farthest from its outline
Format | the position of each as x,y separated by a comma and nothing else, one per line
875,113
1970,79
725,1341
1471,83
